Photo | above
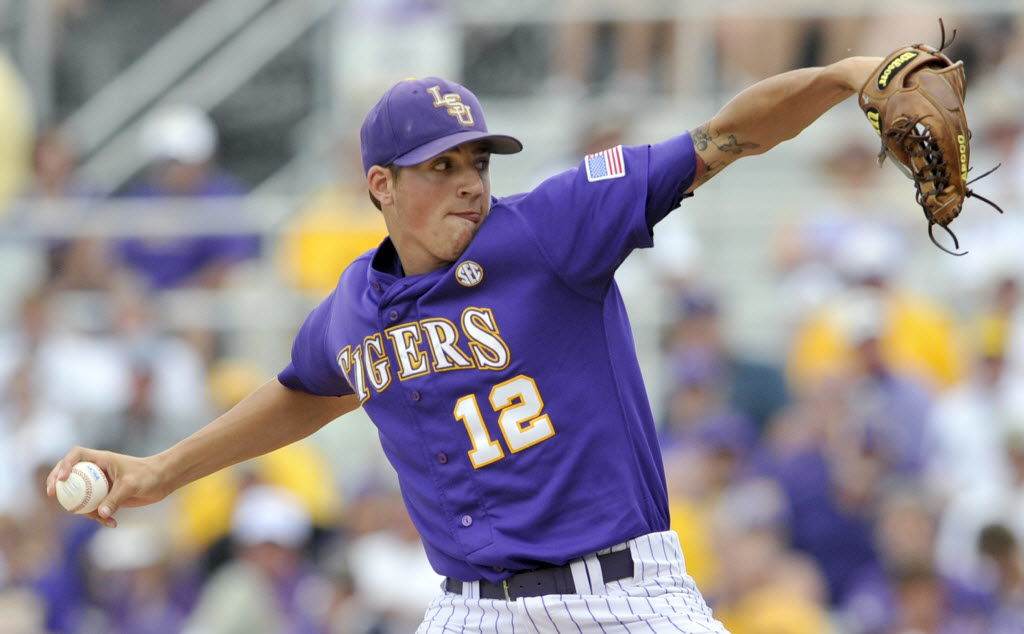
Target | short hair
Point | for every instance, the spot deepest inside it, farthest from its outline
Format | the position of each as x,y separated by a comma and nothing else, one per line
996,541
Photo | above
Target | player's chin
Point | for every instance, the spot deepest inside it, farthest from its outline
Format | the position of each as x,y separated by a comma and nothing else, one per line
457,242
461,229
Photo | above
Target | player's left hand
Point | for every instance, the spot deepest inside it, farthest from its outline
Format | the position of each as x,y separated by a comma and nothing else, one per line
915,102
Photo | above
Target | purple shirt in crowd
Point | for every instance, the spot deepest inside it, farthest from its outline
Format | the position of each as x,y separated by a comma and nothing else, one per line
505,386
169,262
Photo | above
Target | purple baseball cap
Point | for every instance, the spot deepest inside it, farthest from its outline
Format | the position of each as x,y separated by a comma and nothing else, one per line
417,119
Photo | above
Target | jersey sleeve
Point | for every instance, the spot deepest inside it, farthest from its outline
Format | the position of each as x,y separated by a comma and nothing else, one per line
588,219
672,166
313,368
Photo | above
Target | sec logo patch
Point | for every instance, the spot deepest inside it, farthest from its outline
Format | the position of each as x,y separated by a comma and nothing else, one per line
469,273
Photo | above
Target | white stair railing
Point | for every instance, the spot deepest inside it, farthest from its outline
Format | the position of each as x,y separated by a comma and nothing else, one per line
161,67
211,81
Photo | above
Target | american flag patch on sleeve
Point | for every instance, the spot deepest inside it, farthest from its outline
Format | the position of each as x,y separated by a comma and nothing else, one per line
605,165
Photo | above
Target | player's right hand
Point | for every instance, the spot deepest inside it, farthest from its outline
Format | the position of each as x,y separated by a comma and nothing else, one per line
133,481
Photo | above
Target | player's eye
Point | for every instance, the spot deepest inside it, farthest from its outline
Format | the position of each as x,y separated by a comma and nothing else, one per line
483,164
441,165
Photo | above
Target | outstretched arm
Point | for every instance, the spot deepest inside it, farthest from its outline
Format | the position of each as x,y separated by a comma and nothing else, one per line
774,110
271,417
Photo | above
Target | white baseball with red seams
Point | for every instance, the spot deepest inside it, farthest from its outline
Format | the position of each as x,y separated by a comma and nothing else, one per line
84,489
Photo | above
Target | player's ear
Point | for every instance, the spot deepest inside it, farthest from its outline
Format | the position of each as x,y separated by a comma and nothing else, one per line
380,182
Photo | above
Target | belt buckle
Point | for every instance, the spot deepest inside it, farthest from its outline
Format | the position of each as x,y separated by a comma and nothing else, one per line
504,586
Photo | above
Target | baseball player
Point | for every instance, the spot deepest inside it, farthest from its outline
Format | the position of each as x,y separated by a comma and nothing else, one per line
488,342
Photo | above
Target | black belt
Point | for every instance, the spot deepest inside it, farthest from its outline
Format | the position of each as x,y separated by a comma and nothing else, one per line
552,580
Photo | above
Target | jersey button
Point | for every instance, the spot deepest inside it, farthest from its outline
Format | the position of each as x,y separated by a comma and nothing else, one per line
376,286
415,396
393,315
467,520
442,458
498,569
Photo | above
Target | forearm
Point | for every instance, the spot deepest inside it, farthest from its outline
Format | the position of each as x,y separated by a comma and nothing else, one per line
774,110
271,417
778,108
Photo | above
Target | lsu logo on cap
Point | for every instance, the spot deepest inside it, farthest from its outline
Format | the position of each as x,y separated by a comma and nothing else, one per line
893,68
604,165
469,273
453,102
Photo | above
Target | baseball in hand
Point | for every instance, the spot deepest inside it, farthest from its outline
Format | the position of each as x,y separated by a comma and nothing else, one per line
84,489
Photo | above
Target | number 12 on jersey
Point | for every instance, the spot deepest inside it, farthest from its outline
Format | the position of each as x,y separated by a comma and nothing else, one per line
521,419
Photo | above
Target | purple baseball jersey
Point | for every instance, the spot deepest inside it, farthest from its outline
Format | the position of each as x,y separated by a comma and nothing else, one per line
505,387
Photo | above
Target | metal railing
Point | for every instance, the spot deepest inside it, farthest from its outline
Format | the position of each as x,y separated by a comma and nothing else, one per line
202,62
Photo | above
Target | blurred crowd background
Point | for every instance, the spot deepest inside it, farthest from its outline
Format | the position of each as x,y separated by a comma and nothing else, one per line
842,405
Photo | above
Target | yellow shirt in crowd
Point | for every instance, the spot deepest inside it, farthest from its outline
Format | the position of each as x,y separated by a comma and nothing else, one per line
916,336
16,124
334,228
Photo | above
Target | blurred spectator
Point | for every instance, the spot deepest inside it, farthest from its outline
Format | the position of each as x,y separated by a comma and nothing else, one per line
700,356
789,601
179,144
166,385
335,225
84,375
598,126
923,605
342,610
33,432
765,588
886,598
390,570
31,535
888,407
15,129
966,514
1001,550
53,202
204,507
375,39
183,186
638,64
1004,315
832,479
133,581
266,587
916,336
753,43
965,431
24,612
707,448
805,249
698,414
692,505
63,581
999,143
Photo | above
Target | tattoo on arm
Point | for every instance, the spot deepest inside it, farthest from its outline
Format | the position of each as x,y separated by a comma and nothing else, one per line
703,138
733,145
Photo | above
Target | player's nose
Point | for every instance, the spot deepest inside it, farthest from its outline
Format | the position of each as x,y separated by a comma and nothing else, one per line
471,183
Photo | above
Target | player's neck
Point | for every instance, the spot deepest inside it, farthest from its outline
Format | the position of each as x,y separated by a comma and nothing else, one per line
416,261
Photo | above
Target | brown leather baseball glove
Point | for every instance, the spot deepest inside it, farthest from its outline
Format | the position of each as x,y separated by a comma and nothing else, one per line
915,102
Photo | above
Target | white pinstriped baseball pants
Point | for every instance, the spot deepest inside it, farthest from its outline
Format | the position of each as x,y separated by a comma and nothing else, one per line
660,597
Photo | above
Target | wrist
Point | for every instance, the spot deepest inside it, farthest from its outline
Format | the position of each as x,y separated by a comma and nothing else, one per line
852,72
167,469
